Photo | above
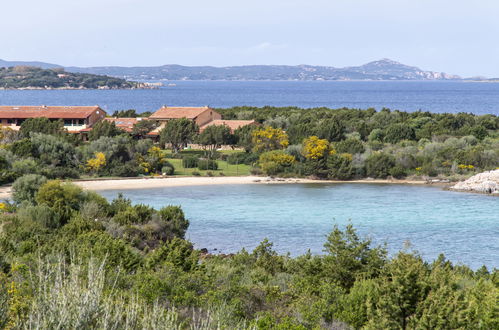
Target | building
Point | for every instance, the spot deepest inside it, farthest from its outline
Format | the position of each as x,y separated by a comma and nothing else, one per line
76,119
125,124
232,124
200,115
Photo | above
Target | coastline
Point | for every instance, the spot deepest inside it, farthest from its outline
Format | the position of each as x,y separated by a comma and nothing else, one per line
146,183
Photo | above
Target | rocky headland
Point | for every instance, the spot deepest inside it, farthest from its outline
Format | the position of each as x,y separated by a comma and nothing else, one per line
486,182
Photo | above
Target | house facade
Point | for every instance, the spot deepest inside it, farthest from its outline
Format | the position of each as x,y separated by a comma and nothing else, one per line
76,119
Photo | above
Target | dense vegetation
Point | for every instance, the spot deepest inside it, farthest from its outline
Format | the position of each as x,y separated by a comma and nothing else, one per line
349,143
33,77
338,144
70,259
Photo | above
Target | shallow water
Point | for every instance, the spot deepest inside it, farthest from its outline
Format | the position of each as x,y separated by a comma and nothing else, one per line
463,226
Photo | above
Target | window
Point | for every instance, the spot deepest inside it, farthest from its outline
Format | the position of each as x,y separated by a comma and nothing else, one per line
81,122
10,121
68,122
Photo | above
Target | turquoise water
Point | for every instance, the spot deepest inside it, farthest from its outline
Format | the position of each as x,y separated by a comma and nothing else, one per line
463,226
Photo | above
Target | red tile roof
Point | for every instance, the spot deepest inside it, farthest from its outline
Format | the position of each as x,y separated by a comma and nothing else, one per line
52,112
233,124
179,112
124,123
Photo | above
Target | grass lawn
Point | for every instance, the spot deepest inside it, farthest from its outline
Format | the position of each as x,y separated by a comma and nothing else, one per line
223,167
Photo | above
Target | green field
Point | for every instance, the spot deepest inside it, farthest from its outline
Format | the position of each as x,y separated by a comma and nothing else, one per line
224,168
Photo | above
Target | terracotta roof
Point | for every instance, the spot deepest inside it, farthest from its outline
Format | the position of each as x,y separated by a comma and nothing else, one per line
52,112
233,124
124,123
178,112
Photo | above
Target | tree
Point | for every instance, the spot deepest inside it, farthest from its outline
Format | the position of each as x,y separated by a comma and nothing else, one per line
349,257
141,128
268,139
350,145
104,128
178,132
331,129
214,136
399,132
41,125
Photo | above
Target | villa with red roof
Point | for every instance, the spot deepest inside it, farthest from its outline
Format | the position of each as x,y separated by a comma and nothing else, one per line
76,119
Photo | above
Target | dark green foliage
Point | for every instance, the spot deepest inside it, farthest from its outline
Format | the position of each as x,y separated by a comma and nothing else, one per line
143,127
26,76
214,136
350,145
331,129
207,164
178,132
190,161
340,167
41,125
398,132
104,128
242,158
379,165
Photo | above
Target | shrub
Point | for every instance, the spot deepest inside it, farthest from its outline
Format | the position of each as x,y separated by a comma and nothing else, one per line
398,172
25,188
398,132
274,162
350,145
196,173
190,161
340,167
207,164
209,173
379,164
168,170
246,158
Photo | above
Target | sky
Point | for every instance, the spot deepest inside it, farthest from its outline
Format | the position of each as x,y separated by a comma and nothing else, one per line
457,37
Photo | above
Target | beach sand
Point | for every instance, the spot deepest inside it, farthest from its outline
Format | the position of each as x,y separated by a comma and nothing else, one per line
145,183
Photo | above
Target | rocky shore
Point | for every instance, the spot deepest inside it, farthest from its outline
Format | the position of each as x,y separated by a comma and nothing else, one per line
486,182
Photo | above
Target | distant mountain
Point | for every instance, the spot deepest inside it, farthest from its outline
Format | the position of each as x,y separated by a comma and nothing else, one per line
42,65
383,69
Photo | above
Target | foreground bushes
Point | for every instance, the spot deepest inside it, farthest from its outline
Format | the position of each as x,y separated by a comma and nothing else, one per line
118,265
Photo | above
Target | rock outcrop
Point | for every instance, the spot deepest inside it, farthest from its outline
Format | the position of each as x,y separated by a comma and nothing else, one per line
486,182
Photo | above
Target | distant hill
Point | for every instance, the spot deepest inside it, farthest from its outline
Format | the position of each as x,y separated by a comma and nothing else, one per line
27,77
384,69
43,65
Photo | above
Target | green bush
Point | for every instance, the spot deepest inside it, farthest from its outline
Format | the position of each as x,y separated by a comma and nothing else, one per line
190,161
379,164
246,158
25,187
207,164
167,168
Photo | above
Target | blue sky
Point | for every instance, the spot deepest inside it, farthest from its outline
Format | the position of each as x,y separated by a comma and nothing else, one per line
460,37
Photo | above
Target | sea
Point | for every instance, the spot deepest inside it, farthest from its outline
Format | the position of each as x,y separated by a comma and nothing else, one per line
297,218
435,96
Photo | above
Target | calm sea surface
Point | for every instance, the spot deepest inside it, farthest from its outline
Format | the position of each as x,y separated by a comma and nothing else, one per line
465,227
478,98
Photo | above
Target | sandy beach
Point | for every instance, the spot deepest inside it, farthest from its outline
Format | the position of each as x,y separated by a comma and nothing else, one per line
146,183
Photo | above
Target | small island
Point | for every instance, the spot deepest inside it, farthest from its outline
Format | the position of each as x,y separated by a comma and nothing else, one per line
27,77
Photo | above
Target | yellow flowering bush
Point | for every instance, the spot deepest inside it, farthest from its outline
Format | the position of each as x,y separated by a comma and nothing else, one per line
274,162
465,167
97,163
315,148
268,139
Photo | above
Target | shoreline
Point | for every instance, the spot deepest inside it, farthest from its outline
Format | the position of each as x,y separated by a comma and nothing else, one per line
147,183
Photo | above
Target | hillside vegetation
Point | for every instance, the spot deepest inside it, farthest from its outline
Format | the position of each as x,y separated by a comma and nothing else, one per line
33,77
69,259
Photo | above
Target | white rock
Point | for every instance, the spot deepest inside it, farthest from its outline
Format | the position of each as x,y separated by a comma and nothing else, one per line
486,182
